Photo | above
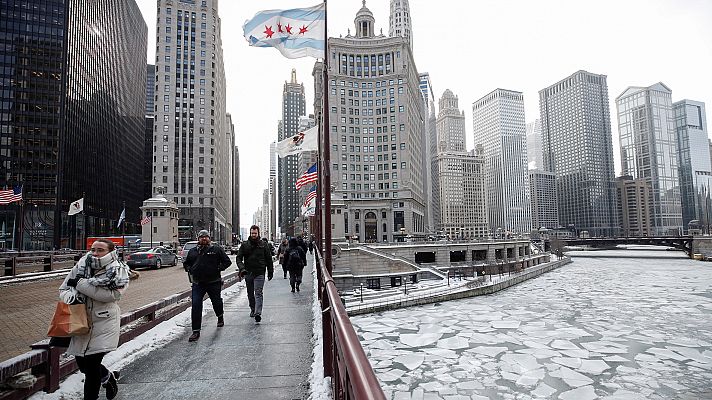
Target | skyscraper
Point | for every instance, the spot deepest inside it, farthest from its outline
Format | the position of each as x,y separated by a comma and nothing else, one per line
191,160
649,151
236,228
272,233
293,107
376,130
399,20
71,115
635,200
695,166
429,153
545,212
535,152
150,118
498,125
461,176
578,148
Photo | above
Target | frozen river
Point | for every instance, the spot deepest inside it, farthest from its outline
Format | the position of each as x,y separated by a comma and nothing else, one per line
628,324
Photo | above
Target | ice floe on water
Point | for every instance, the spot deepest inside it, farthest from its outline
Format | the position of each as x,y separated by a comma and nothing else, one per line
609,328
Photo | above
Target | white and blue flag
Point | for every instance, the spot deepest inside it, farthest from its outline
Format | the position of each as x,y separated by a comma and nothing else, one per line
296,33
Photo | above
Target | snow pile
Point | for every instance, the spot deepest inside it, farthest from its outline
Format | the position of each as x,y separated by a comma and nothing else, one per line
319,386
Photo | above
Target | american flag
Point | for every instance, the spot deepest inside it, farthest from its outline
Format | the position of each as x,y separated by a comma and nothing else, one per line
311,196
146,220
307,177
10,195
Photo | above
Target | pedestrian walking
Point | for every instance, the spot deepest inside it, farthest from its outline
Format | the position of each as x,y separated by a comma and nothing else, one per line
295,260
253,258
98,280
311,244
204,264
280,254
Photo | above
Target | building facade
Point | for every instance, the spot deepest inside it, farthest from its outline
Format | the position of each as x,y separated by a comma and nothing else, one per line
306,160
695,165
535,151
578,148
376,128
498,125
236,228
635,206
649,151
429,153
71,114
272,233
191,159
545,210
461,176
293,107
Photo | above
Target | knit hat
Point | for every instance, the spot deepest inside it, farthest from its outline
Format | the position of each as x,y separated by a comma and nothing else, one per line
203,233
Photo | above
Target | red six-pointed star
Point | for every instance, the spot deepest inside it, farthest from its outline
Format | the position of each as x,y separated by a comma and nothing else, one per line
289,29
268,31
279,28
302,30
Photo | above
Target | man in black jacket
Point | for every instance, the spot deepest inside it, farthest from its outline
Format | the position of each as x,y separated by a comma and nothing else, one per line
253,258
204,264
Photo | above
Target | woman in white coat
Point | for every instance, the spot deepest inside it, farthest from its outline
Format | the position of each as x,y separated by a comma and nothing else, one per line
97,280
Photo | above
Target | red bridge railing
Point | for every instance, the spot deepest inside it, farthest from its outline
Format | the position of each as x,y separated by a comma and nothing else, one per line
345,361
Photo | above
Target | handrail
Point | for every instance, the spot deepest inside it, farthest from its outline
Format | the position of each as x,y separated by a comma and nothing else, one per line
344,358
44,360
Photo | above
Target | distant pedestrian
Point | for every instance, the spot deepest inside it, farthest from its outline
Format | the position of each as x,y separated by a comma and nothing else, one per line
253,258
204,264
280,254
269,246
97,280
311,244
296,260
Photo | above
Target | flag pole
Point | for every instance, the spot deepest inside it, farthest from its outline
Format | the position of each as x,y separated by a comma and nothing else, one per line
123,230
22,224
325,171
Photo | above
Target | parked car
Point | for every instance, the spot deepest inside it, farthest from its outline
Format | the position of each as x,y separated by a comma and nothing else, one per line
156,257
186,248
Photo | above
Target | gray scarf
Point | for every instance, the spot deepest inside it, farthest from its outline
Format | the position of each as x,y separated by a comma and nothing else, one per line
107,271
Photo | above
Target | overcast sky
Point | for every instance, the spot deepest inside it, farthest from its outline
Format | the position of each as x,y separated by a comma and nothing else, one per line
472,48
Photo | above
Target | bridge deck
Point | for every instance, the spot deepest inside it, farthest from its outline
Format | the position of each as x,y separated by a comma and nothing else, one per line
242,360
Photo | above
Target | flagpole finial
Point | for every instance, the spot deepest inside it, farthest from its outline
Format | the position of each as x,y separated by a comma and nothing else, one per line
364,3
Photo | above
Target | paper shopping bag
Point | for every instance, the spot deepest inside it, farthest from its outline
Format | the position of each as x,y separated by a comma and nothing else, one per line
69,320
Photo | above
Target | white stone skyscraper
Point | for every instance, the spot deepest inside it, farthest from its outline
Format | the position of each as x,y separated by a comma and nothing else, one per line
399,20
461,176
695,166
376,130
646,126
429,152
535,152
191,160
498,125
578,148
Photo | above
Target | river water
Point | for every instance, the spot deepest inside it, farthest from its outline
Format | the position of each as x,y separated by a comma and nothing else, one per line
614,324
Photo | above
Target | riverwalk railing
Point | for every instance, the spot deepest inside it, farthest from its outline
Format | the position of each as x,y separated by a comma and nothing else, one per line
18,264
457,290
47,365
345,361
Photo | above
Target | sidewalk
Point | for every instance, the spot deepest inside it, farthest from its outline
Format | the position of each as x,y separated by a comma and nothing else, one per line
242,360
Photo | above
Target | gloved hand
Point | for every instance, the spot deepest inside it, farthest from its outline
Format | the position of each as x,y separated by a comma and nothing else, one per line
72,282
270,275
243,273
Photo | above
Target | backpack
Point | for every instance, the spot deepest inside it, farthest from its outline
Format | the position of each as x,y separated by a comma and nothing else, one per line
294,259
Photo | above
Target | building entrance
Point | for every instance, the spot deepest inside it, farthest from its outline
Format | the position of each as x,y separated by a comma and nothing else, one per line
370,228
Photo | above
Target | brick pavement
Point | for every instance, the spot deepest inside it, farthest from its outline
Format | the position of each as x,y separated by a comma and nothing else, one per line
26,308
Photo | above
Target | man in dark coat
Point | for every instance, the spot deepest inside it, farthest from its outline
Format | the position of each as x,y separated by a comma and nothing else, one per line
253,258
294,258
204,264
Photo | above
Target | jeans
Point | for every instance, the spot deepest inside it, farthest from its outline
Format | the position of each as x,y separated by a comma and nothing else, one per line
93,372
255,284
198,292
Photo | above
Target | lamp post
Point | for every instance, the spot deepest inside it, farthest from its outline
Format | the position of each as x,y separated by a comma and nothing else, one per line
361,292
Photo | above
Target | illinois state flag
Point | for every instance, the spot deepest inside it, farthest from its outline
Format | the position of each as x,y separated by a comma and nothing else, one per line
302,141
296,33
